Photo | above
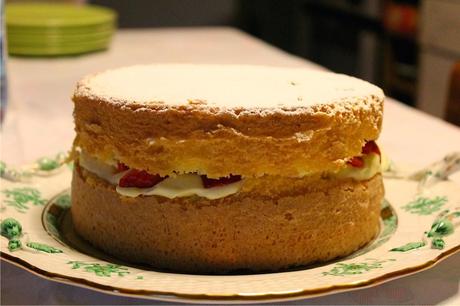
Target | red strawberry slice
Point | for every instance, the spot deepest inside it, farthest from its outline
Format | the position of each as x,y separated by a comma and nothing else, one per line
356,162
222,181
139,179
370,147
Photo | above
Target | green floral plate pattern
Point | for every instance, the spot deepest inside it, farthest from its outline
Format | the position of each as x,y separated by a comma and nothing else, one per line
420,226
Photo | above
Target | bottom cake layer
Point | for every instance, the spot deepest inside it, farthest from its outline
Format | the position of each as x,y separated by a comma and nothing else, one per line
244,231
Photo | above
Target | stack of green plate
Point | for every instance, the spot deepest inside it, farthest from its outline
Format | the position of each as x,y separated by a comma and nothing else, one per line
45,29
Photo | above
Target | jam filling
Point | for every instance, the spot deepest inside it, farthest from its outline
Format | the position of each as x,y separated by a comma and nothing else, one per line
139,179
121,167
222,181
143,179
371,147
357,162
368,148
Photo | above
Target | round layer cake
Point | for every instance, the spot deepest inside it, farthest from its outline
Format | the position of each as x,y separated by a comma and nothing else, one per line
215,168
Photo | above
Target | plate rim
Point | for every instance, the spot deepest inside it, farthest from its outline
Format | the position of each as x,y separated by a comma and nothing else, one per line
216,298
301,292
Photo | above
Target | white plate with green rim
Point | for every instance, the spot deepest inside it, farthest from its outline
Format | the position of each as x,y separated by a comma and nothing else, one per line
420,227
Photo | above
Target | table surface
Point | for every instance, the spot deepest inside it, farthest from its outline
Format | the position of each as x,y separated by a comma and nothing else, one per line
39,123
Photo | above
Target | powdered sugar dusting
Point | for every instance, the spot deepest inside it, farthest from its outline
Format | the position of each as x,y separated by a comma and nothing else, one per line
230,88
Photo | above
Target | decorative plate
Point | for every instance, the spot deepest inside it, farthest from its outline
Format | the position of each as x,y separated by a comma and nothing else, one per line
420,226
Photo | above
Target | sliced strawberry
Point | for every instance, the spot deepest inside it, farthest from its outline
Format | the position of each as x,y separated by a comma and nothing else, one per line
222,181
356,162
371,147
139,179
121,167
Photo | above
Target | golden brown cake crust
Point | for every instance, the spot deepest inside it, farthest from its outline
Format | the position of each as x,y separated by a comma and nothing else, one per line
198,136
243,231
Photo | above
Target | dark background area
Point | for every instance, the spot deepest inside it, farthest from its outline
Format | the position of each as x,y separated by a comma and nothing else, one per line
364,38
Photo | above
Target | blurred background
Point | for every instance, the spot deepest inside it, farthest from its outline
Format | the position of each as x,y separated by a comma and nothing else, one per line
411,48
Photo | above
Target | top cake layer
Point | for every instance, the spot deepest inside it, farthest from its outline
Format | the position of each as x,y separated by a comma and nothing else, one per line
221,119
225,87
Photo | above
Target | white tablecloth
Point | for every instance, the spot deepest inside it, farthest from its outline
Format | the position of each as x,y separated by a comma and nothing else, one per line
39,123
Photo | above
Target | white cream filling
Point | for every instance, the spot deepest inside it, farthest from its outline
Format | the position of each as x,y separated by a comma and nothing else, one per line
371,167
101,169
186,185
